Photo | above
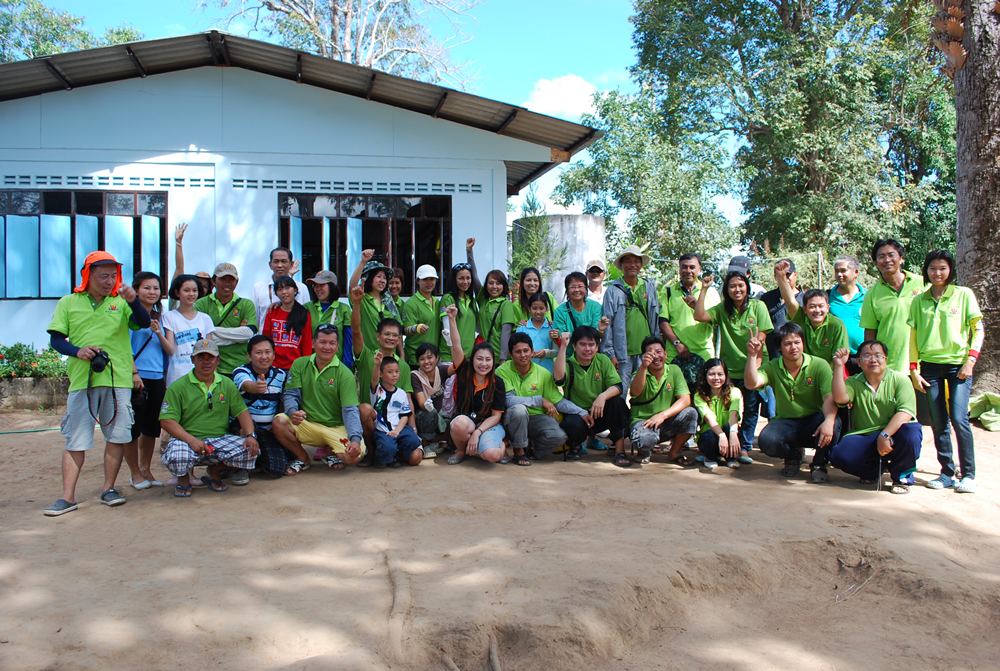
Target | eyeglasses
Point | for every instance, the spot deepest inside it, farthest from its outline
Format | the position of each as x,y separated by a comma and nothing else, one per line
872,357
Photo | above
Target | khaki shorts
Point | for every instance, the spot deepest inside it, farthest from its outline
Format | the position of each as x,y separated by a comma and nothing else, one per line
320,435
83,405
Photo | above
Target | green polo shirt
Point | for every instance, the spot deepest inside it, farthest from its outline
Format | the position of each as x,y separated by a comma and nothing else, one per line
887,312
467,324
566,317
522,316
721,410
536,382
825,339
872,410
493,314
105,325
371,314
802,395
944,326
364,363
420,310
336,313
583,385
243,312
201,410
734,331
652,400
325,393
697,336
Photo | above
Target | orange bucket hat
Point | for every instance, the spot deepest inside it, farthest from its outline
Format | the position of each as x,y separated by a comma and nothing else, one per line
98,259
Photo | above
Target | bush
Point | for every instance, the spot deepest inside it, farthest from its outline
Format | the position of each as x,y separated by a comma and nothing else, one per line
20,360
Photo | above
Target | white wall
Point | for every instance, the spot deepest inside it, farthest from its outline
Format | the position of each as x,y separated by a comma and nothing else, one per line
223,126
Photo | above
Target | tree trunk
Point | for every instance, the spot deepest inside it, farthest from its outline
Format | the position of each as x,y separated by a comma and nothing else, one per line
977,106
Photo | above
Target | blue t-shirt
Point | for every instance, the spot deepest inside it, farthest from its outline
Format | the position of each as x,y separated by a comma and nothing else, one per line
262,407
850,314
539,340
151,361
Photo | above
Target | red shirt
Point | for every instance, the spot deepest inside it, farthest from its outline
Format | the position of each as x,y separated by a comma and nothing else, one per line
288,346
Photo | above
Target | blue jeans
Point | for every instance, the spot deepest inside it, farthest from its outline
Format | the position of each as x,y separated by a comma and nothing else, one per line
955,409
858,454
751,413
388,448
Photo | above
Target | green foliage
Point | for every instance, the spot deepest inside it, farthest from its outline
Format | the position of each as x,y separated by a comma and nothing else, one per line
532,243
662,182
29,29
20,360
844,127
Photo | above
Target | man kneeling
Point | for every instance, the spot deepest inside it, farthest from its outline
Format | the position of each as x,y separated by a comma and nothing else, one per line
883,405
196,412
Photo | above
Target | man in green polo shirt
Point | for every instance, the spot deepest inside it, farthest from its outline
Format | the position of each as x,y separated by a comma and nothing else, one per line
235,318
806,414
683,335
592,383
533,404
886,307
195,412
321,406
661,405
422,315
824,333
883,405
91,326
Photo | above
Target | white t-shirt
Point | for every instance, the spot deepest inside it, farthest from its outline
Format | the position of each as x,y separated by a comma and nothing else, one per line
596,295
264,297
186,333
389,407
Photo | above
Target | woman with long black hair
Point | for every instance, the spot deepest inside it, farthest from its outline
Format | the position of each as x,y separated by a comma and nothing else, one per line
480,399
288,324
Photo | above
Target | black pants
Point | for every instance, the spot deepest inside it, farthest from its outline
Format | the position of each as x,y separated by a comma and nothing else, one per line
708,443
614,421
273,459
787,438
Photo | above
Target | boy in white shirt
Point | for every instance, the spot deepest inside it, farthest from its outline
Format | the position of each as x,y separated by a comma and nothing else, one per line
396,441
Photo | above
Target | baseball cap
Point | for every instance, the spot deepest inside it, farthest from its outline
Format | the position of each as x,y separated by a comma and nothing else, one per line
204,347
739,264
226,269
425,271
323,277
596,263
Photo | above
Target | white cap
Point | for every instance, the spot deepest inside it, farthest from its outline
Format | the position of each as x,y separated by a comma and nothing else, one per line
425,271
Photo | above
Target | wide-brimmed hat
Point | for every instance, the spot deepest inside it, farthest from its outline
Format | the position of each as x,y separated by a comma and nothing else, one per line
98,258
323,277
632,250
374,266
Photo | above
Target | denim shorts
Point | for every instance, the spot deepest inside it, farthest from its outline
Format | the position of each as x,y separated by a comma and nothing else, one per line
83,405
491,438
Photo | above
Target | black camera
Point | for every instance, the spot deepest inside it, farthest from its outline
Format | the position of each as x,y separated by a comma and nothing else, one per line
100,362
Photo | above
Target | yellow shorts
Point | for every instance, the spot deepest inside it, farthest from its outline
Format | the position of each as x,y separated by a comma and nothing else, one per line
320,435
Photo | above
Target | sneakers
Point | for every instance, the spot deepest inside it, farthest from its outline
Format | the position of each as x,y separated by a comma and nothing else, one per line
60,507
142,484
966,486
941,482
818,475
239,477
910,479
709,465
112,497
745,457
733,463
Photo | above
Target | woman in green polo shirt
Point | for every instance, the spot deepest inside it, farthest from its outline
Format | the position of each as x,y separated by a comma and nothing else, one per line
945,338
530,283
718,401
377,304
460,293
496,313
328,309
739,318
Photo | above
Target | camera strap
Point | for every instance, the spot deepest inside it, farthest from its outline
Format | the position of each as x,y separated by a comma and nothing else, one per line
114,398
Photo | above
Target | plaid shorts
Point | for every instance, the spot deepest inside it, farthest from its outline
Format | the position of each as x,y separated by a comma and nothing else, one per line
228,449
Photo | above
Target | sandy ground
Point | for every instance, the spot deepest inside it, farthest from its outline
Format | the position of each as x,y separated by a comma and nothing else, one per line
560,566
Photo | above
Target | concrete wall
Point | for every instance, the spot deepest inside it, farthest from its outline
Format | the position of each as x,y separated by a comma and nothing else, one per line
223,142
585,239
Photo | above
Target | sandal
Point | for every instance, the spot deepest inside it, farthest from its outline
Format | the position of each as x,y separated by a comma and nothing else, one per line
456,459
521,460
297,466
334,462
791,469
182,491
216,485
621,460
682,460
899,488
644,456
572,454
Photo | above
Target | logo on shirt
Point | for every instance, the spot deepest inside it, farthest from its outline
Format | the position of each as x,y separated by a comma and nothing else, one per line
751,321
534,387
953,311
330,382
222,398
164,406
809,381
597,377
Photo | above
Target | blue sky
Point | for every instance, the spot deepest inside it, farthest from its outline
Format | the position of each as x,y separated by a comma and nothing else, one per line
547,55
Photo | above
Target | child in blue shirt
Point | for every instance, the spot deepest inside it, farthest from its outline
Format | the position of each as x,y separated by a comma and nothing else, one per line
541,332
396,441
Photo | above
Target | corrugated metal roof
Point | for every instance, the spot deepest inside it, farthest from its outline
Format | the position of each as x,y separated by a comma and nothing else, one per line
150,57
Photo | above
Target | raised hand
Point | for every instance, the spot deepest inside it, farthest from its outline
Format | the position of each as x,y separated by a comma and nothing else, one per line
127,293
179,233
452,312
357,293
780,270
469,244
367,255
707,280
647,360
754,347
840,357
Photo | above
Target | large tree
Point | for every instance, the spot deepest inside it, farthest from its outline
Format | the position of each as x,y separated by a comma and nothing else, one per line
388,35
29,29
840,118
662,181
977,95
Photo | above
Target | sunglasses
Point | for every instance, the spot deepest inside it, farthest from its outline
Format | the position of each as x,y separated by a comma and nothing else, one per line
461,266
327,328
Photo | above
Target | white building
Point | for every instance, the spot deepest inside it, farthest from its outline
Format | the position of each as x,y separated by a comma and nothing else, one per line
254,146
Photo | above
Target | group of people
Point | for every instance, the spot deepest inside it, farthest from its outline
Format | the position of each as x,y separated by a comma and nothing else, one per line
294,376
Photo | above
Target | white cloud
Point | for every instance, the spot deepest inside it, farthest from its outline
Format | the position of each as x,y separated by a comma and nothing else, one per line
567,97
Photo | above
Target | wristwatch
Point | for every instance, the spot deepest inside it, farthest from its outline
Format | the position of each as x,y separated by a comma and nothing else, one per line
885,435
675,342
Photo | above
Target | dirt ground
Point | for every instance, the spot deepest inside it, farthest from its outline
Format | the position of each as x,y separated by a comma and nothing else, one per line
558,566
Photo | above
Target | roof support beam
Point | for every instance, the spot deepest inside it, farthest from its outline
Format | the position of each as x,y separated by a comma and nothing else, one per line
506,122
371,87
514,189
559,155
57,73
217,45
298,68
224,48
440,104
135,61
